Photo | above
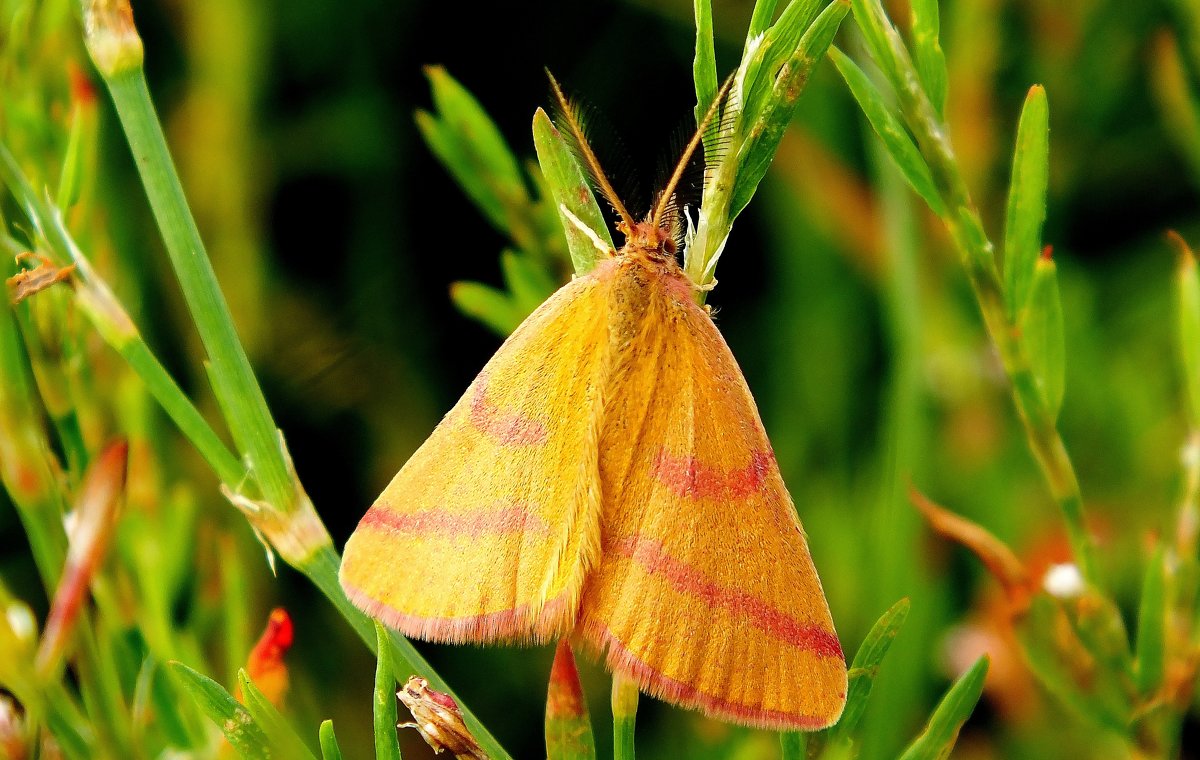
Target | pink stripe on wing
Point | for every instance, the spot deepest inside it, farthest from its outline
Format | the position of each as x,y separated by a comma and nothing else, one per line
475,524
509,428
658,684
517,625
655,560
687,476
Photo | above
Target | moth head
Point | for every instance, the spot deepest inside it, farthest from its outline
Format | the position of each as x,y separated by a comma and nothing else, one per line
650,239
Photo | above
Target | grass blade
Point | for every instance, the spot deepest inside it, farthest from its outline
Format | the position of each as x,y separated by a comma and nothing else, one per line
891,132
281,735
471,147
778,45
927,52
1151,630
1026,200
1187,309
249,419
570,189
865,667
624,712
704,66
387,742
771,116
760,20
490,306
793,745
528,283
940,734
1042,325
329,743
234,720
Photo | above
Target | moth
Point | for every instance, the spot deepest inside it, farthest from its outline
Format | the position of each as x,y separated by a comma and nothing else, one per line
607,478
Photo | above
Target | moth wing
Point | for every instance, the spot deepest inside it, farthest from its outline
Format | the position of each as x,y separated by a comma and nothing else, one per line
705,592
486,531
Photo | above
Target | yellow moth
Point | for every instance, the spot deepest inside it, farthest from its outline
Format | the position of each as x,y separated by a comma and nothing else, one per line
607,478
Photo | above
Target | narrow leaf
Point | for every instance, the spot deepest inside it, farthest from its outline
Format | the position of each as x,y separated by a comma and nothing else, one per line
1026,200
1187,309
471,147
71,178
778,45
387,741
235,722
927,52
624,712
568,727
1152,620
765,130
492,307
570,189
455,157
461,112
529,283
1042,326
883,41
900,146
282,737
329,743
704,66
760,20
940,734
793,745
865,667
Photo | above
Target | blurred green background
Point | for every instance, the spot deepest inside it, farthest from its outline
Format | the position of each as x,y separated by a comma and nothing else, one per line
336,235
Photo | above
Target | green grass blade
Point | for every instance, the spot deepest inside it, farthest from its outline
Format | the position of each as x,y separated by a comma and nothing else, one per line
865,667
760,19
1151,629
71,178
927,52
387,741
1042,326
940,734
879,35
234,720
528,283
774,111
568,726
704,66
624,712
282,737
1026,200
472,148
571,190
249,419
490,306
1187,314
793,745
891,132
778,45
329,743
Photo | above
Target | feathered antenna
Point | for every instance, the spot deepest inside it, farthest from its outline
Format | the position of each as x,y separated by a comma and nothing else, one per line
664,199
585,150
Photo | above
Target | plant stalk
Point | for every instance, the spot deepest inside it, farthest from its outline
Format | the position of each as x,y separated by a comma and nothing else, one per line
239,393
966,230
